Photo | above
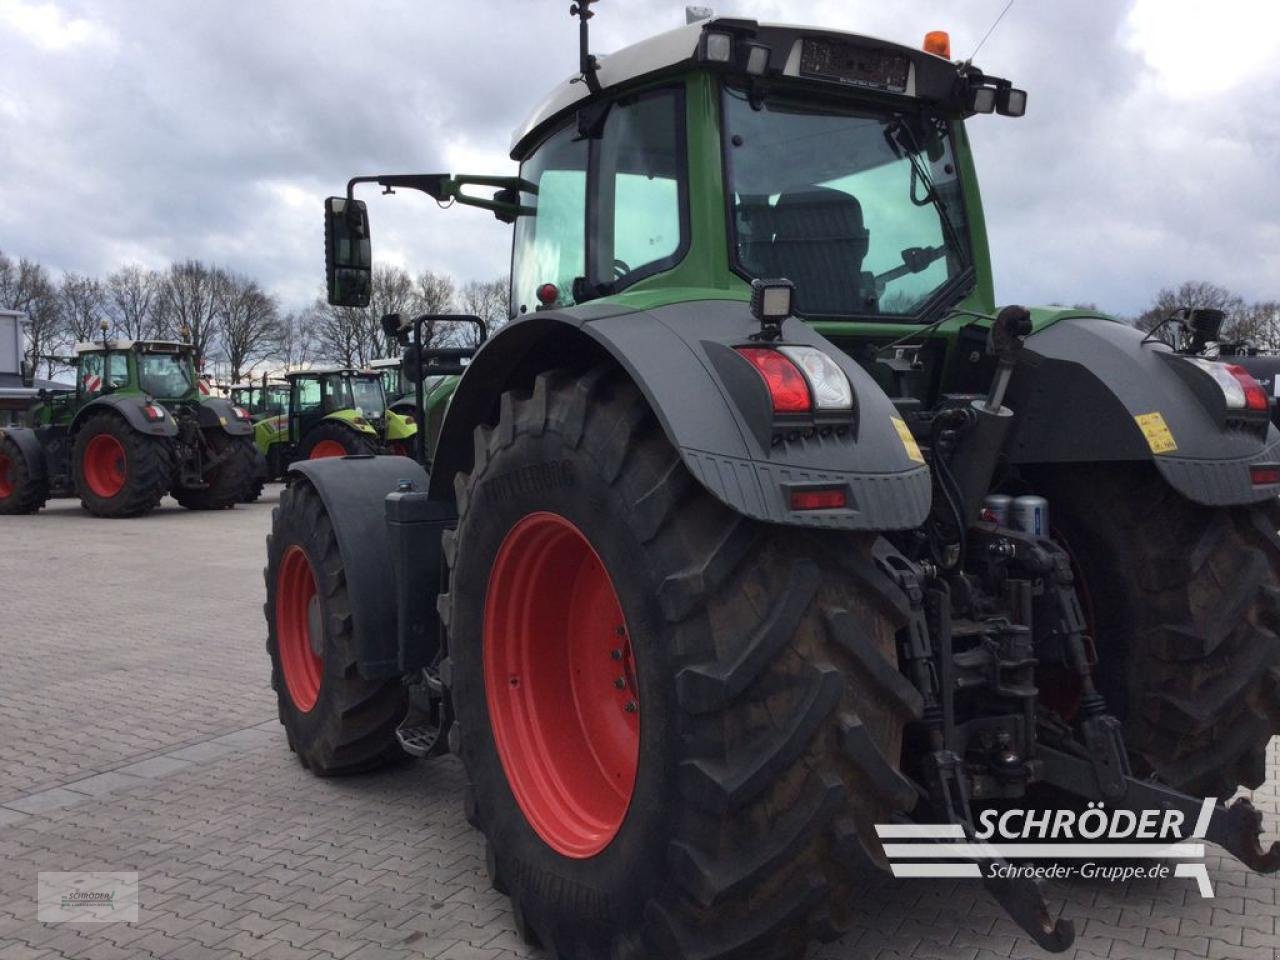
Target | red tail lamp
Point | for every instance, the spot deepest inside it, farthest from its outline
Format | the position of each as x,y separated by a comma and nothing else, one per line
1255,398
818,499
787,386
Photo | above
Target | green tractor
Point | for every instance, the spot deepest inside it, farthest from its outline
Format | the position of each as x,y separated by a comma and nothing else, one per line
136,427
269,398
763,532
331,413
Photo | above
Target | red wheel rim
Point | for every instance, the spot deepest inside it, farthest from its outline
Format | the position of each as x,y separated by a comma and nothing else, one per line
298,628
561,685
327,448
6,482
104,466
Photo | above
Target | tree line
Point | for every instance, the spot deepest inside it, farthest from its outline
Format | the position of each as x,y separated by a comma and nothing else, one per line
233,323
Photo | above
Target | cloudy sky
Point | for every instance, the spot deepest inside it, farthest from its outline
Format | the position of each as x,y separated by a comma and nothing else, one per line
154,130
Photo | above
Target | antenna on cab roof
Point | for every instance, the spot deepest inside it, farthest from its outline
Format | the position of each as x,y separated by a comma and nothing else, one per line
587,63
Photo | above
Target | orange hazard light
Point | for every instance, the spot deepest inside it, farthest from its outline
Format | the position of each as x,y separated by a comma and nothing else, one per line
938,42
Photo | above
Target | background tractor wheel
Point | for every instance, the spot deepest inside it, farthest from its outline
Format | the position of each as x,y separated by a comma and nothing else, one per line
335,440
337,722
1185,601
679,725
20,492
232,481
118,471
260,474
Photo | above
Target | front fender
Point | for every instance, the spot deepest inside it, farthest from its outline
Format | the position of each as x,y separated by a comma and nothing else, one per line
129,406
400,427
348,418
216,413
1078,393
680,357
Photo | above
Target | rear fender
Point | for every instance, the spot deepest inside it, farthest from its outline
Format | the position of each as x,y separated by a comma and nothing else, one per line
1081,386
713,408
399,426
354,491
29,446
216,413
129,406
348,418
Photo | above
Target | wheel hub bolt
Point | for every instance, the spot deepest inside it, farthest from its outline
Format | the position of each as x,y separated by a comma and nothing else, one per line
632,706
620,683
615,654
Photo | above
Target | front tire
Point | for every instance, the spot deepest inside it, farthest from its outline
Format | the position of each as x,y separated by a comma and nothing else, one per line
1186,607
337,722
231,481
20,490
118,471
590,572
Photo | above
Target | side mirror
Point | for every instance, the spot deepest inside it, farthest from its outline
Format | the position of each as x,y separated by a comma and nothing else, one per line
28,370
411,364
348,260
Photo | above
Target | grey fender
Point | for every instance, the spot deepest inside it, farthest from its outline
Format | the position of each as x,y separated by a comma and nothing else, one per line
354,492
29,446
219,413
129,406
1082,383
713,407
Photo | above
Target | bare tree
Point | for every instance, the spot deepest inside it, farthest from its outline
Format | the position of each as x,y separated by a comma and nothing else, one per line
247,320
433,293
1259,323
131,298
338,332
295,340
188,305
353,335
82,306
1194,294
490,300
26,286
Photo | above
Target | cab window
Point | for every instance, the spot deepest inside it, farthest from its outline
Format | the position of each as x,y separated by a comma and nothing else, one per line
308,392
548,246
92,380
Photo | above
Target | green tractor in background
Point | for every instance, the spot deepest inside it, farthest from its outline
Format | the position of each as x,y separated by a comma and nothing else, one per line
332,413
136,427
266,399
764,532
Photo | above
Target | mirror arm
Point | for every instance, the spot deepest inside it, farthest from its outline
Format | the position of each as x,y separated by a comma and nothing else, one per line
443,187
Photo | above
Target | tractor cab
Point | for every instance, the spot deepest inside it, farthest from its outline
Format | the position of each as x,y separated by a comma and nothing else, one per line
162,370
266,399
345,393
390,370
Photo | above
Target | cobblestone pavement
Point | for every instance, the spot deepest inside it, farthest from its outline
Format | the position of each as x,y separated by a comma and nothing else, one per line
138,732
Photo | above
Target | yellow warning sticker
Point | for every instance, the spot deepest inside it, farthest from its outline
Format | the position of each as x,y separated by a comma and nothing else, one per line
1159,436
908,441
223,421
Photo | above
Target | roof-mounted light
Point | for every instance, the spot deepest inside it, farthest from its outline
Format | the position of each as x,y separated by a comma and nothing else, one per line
937,42
982,100
717,47
1011,102
757,60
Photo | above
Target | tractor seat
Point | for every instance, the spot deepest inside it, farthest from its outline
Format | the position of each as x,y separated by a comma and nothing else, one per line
819,243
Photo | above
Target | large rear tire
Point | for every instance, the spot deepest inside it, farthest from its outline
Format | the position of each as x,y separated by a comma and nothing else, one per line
118,471
20,490
231,481
337,722
1185,601
735,682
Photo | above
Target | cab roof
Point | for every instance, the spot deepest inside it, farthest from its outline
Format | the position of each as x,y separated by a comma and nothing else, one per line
929,77
159,346
327,371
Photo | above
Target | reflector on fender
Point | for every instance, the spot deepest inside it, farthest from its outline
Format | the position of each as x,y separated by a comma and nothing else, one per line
1264,474
818,499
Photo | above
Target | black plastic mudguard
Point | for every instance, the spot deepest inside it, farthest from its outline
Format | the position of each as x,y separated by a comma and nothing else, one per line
29,446
129,406
219,413
1078,393
714,410
354,491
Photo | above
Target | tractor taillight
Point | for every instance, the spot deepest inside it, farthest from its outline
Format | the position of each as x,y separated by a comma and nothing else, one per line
152,412
1255,398
242,413
818,499
787,386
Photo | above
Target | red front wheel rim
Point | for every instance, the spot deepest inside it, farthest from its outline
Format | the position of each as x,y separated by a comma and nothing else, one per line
6,481
560,683
327,448
105,468
298,628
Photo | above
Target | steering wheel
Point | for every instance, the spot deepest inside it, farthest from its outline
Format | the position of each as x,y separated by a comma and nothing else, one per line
620,268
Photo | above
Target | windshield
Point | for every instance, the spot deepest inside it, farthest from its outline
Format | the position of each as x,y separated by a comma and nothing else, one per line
367,395
165,374
861,211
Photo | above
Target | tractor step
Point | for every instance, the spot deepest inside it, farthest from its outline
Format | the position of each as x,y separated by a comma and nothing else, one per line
418,741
